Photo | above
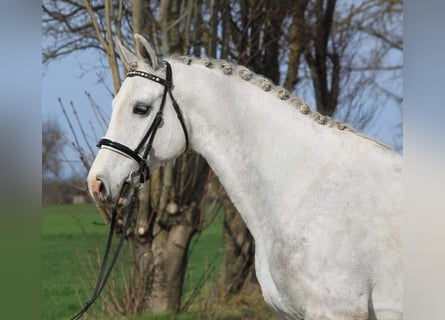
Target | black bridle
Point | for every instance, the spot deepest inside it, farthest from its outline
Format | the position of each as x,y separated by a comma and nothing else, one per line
131,186
147,140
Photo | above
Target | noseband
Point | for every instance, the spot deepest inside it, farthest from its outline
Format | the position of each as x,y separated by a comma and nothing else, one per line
147,140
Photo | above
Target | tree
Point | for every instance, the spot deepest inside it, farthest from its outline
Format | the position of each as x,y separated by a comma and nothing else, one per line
51,161
349,51
51,139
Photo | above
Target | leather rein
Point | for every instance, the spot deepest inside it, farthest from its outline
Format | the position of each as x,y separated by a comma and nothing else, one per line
132,184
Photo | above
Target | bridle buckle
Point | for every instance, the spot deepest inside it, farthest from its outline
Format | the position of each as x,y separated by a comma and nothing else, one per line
136,179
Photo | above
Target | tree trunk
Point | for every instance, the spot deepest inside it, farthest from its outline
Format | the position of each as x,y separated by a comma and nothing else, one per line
324,65
161,256
167,218
272,35
296,40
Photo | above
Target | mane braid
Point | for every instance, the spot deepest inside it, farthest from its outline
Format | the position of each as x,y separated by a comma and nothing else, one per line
230,68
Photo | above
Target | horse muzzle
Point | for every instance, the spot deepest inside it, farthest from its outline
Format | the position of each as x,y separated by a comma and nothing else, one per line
102,194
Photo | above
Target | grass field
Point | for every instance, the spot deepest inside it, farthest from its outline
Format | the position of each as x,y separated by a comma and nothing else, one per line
71,233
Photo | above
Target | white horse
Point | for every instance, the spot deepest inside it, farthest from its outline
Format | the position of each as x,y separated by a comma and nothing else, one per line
323,203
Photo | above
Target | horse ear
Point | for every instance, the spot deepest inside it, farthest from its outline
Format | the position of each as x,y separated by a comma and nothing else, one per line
145,51
127,57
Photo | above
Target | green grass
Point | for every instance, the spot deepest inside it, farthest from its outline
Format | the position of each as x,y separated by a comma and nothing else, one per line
72,231
65,230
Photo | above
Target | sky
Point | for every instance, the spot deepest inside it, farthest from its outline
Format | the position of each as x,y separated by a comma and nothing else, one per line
68,79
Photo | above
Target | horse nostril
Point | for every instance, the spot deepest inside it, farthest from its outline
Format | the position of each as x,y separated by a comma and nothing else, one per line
100,189
97,185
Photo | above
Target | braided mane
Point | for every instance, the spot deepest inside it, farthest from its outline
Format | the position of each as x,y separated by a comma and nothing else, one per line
265,84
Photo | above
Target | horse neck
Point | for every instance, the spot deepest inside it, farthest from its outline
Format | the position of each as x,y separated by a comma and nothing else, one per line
257,144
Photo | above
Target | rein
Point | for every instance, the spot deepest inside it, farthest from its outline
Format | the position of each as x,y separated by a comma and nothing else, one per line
102,276
131,186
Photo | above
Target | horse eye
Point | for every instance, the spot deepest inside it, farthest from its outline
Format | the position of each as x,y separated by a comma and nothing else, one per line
141,109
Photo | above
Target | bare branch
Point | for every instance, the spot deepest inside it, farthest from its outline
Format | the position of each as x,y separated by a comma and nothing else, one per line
79,123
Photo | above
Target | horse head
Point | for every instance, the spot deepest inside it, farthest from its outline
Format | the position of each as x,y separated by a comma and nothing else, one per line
144,130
